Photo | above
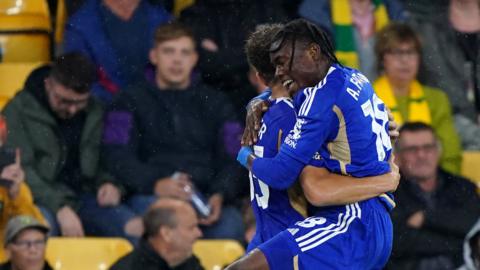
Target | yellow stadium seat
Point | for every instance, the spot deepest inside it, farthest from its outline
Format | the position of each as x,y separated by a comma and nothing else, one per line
85,253
12,78
180,5
26,47
60,20
216,254
471,166
25,29
24,14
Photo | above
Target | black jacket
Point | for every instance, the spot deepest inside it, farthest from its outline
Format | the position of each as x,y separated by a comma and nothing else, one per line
228,23
150,133
450,212
145,258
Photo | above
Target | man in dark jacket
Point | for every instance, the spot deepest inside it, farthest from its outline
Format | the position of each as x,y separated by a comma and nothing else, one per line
171,229
170,134
435,209
57,125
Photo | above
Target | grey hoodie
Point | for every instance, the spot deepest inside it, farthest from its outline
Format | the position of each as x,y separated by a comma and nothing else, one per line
467,251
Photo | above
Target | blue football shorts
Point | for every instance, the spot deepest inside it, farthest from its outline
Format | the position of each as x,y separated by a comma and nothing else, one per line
354,236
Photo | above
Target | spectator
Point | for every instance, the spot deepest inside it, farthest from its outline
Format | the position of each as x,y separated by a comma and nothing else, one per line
424,11
173,124
398,52
57,125
352,24
221,27
435,209
15,196
451,62
171,229
25,241
471,249
116,35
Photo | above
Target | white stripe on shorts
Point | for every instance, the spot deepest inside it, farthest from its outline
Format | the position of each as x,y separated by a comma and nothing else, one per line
321,235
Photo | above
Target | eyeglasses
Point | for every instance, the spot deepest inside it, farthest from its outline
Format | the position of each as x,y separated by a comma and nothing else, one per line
26,244
410,53
61,99
427,148
69,102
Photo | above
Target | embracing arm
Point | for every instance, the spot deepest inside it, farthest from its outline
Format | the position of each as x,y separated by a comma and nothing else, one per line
323,188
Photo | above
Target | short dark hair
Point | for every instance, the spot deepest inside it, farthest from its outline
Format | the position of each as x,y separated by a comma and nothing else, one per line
257,49
391,35
172,30
158,217
75,71
416,126
305,31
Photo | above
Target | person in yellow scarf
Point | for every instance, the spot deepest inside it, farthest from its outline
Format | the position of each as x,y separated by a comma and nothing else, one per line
15,196
352,25
398,57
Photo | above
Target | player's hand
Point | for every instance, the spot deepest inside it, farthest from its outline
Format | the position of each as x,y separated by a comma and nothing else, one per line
108,195
255,110
416,220
394,173
215,202
70,224
174,186
392,127
15,174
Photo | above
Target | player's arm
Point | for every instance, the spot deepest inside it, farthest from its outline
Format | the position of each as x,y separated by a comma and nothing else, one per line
323,188
313,124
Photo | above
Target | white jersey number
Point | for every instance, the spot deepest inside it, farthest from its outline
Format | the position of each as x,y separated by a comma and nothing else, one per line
371,108
262,195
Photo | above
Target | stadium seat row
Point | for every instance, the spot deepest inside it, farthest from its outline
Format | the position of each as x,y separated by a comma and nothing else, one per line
26,30
100,253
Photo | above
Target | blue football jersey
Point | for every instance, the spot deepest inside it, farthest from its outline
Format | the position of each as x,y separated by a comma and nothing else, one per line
274,209
340,122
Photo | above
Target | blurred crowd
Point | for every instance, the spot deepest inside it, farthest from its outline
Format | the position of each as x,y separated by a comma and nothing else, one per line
146,100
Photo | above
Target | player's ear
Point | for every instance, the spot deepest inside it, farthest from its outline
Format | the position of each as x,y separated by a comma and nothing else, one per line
314,51
260,78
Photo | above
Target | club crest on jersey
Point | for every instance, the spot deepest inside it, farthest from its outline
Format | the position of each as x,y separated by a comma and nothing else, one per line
294,134
317,156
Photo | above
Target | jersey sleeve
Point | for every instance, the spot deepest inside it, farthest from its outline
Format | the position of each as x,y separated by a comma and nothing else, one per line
284,123
276,124
312,126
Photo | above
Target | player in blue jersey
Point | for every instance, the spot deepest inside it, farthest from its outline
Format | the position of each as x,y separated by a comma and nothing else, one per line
341,124
275,210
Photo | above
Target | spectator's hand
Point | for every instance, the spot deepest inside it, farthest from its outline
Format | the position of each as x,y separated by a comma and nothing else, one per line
15,174
392,127
70,224
255,110
209,45
416,220
108,195
215,201
174,186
